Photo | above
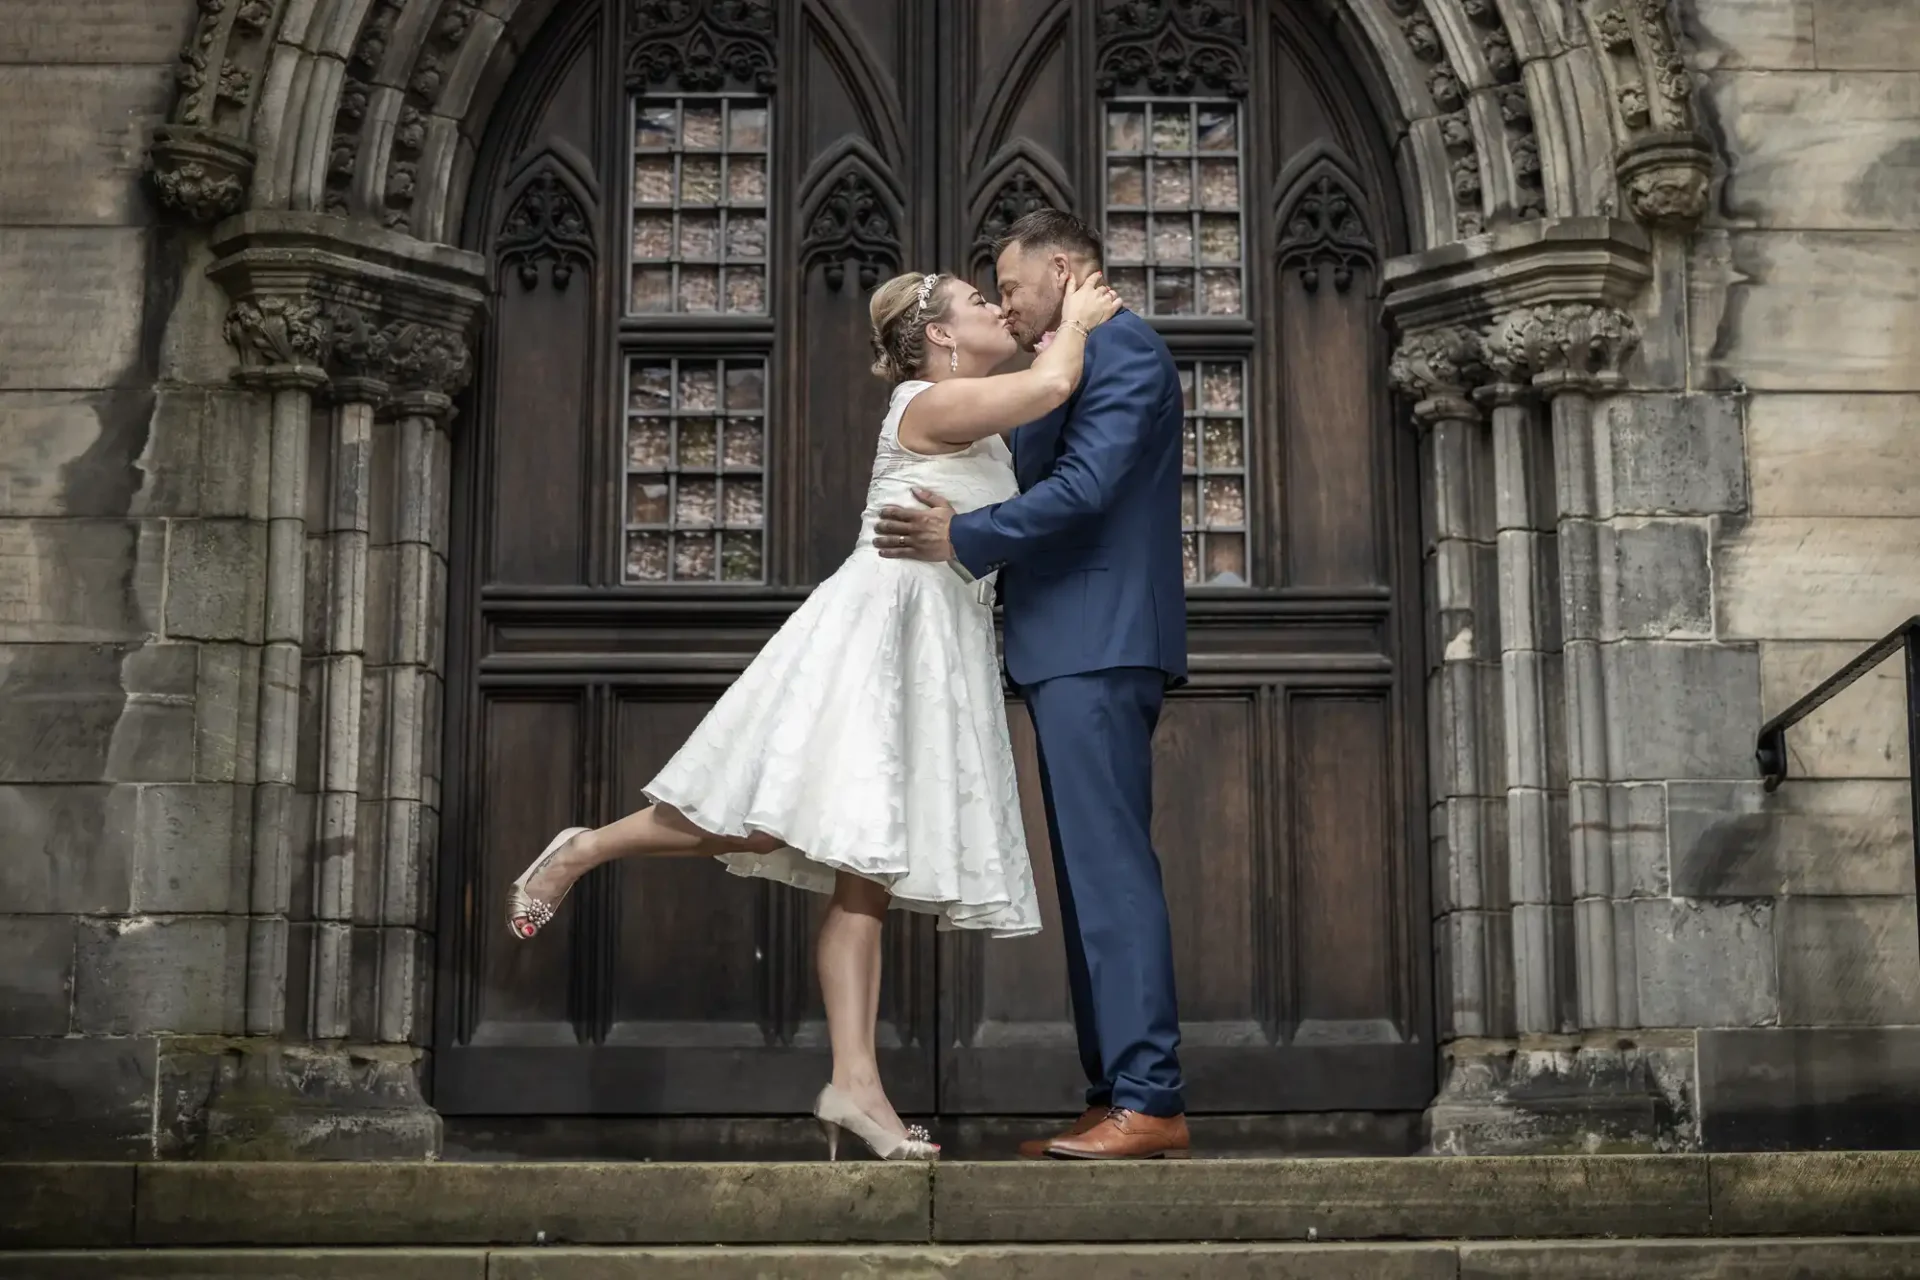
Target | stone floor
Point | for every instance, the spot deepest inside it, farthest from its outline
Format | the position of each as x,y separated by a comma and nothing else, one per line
1830,1215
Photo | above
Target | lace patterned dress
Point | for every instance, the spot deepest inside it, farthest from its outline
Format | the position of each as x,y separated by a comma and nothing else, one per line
870,733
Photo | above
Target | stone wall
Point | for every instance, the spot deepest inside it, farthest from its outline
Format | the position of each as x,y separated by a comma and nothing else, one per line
1804,311
131,522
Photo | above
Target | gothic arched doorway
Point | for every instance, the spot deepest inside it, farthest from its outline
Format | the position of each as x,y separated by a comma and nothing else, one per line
684,204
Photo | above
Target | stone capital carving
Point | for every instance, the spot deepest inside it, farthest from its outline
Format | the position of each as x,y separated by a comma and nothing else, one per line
1666,178
199,174
381,315
1572,346
427,365
282,339
358,353
1438,369
1509,377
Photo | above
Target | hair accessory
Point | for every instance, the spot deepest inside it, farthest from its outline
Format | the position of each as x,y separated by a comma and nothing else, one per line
925,294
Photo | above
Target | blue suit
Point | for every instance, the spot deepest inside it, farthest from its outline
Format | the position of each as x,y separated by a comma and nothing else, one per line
1089,557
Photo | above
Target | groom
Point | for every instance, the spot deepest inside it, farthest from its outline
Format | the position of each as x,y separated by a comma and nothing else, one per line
1091,575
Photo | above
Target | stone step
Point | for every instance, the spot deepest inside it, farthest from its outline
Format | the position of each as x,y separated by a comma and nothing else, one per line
1884,1258
216,1205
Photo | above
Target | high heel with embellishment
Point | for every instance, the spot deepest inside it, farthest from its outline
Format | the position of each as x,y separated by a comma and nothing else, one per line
835,1111
526,914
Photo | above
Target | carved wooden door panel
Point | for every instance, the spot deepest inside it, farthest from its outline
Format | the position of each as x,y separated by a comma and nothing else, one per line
686,203
1244,200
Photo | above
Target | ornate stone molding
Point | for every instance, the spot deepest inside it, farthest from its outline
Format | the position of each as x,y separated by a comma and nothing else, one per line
1666,177
433,53
198,173
383,316
851,221
1171,47
1438,370
1569,347
200,163
1664,164
701,46
1449,93
1603,261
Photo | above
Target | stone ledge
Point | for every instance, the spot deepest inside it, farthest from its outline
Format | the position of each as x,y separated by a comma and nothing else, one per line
417,1205
254,1264
1891,1258
1416,1199
1896,1258
448,1204
54,1204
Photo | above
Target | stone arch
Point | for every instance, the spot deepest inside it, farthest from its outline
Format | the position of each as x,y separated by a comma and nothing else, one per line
1508,110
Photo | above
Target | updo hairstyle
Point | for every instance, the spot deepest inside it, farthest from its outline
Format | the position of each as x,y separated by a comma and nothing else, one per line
901,310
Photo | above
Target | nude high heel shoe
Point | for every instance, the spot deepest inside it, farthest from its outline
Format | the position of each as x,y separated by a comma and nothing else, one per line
526,914
835,1111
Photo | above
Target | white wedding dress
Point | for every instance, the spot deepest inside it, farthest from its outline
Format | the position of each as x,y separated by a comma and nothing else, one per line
870,734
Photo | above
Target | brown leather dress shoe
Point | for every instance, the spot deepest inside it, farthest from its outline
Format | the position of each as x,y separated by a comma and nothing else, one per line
1127,1135
1036,1148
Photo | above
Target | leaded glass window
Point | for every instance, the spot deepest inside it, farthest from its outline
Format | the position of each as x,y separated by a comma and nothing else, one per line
1173,206
1213,497
700,199
695,460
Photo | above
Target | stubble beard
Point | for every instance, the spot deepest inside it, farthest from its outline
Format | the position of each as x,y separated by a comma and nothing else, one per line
1034,330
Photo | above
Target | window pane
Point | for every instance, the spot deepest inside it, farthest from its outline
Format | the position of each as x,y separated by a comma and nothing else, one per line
699,208
1173,206
696,452
1213,499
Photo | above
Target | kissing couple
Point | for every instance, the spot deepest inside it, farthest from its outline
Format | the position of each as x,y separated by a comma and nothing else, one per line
864,754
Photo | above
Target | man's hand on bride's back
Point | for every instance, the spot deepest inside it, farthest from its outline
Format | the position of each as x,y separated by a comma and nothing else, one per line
904,533
1090,303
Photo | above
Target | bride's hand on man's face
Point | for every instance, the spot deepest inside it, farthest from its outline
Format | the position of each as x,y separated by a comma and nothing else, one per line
1090,303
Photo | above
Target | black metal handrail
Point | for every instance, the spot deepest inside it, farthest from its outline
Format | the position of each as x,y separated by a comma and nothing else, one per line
1771,750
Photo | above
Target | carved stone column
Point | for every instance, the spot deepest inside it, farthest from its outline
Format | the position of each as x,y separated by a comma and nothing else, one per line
390,318
1576,351
357,390
1547,298
429,365
1437,369
282,342
1530,687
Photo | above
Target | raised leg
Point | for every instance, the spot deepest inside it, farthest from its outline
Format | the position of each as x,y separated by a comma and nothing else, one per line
657,831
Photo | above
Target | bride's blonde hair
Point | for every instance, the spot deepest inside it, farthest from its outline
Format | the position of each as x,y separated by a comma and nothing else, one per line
901,310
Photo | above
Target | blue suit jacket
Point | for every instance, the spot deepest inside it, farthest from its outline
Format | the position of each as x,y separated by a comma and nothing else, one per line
1089,552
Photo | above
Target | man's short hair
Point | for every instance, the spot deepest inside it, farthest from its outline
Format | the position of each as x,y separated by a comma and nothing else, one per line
1051,231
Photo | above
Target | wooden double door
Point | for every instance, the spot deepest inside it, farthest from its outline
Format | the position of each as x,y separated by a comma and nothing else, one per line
686,203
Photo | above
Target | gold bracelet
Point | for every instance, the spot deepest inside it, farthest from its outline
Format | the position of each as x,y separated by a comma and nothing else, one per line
1083,330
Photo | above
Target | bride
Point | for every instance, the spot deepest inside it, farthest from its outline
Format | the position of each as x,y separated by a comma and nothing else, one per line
864,753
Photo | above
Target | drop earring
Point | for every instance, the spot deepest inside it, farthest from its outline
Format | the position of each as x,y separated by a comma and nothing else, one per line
953,359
